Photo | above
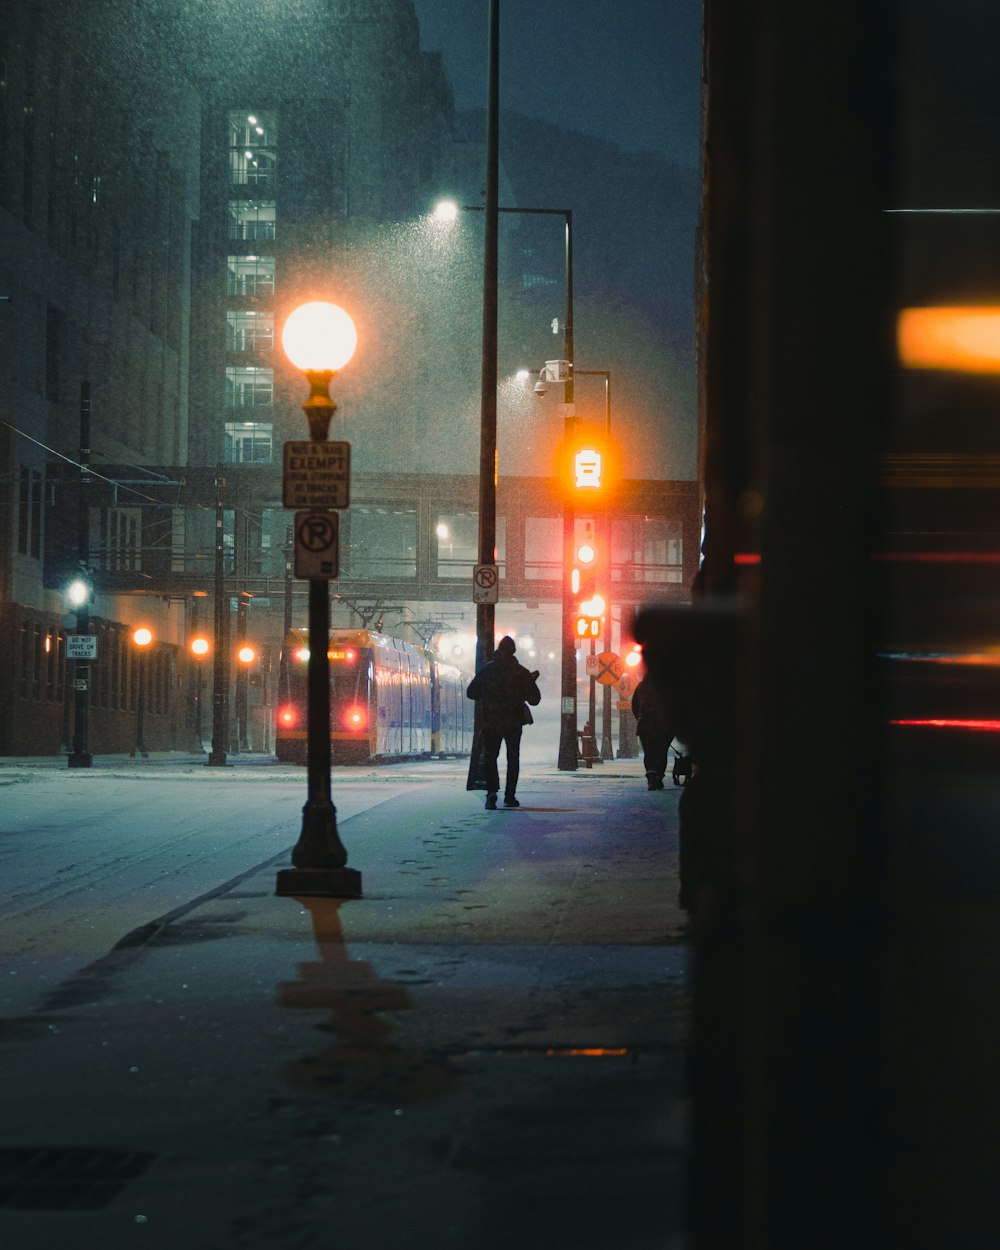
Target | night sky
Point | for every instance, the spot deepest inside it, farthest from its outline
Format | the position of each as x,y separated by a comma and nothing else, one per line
624,70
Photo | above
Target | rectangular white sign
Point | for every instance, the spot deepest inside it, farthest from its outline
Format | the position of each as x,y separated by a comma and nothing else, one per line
81,646
317,545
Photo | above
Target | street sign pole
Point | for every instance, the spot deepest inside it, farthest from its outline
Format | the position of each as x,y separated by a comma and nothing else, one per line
317,478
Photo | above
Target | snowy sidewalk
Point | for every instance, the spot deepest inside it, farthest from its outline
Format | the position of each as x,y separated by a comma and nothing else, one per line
485,1050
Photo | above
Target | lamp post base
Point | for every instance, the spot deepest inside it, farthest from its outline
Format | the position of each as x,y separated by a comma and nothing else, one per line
216,759
79,759
325,882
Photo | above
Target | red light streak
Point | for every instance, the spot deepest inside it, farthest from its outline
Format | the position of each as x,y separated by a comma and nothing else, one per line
934,722
939,557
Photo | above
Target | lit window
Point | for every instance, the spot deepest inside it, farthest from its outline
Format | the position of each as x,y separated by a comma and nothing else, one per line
252,148
249,442
250,275
249,387
249,331
252,220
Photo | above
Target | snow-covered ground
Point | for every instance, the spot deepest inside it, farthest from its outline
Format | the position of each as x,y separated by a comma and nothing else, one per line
89,855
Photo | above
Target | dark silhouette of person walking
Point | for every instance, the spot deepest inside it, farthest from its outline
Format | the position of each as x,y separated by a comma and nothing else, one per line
654,730
504,688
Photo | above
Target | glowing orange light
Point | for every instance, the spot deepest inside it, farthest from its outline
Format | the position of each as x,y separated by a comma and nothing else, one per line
246,654
200,646
287,716
963,339
355,718
301,654
587,469
590,1052
634,657
935,722
142,636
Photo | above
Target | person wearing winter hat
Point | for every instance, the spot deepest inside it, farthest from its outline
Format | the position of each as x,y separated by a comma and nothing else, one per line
504,688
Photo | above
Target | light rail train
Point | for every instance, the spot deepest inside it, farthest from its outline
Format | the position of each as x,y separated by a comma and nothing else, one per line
389,700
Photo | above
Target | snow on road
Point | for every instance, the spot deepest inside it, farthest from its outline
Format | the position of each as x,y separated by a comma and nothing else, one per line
89,855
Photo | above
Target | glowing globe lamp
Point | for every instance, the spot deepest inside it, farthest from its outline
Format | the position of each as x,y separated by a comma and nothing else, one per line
319,337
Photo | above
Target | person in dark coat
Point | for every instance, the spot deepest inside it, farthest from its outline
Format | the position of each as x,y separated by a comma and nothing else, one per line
654,731
503,688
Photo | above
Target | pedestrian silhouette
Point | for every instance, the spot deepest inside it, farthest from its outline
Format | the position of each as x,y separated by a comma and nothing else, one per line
503,688
654,731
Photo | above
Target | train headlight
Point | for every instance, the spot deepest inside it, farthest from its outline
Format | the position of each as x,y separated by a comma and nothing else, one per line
301,654
356,718
287,717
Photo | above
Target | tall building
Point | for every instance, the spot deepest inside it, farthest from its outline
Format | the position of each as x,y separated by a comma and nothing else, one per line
174,178
99,147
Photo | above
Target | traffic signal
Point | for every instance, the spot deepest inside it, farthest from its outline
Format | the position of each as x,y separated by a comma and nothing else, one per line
584,467
589,621
584,571
588,468
583,574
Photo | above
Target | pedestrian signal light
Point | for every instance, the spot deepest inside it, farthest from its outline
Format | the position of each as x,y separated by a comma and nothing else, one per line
588,627
590,618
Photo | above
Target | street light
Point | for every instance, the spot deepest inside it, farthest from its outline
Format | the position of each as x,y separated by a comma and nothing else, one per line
79,594
200,647
141,638
567,758
319,338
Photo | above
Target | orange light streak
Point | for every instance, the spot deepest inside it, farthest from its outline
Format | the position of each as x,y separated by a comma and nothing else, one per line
960,339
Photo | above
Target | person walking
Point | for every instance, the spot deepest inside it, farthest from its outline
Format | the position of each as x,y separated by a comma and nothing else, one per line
654,731
504,688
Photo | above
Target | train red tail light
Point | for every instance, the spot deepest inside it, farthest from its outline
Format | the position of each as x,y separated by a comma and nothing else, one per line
356,718
287,717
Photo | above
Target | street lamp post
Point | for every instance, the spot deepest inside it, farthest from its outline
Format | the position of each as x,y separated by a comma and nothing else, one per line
568,754
245,656
220,643
200,647
78,595
141,637
242,739
319,338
